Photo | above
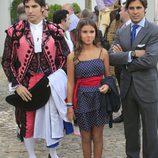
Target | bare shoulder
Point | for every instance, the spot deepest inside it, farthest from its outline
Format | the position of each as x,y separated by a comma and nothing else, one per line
71,56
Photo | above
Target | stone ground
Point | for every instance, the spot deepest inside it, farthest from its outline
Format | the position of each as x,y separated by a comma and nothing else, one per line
11,147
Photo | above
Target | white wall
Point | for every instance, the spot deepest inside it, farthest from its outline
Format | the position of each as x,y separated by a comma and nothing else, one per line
5,21
93,4
156,12
150,10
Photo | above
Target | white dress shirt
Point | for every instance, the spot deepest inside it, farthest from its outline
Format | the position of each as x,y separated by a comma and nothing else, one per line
69,41
37,30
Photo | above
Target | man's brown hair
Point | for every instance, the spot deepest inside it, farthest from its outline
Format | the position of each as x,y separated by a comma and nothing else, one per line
42,3
144,3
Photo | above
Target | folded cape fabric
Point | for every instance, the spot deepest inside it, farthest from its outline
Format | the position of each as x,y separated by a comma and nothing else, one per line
40,95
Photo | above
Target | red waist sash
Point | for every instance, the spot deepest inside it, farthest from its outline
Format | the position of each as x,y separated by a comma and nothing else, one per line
87,82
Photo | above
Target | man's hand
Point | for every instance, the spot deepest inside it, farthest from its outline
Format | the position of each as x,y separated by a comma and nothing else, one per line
117,48
139,53
23,93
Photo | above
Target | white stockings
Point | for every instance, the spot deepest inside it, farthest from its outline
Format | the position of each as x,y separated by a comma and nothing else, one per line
30,145
53,153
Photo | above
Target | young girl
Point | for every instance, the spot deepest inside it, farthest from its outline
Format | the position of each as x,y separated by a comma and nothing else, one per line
86,67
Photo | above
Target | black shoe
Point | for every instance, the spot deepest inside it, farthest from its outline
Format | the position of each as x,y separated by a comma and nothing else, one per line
49,156
118,119
20,137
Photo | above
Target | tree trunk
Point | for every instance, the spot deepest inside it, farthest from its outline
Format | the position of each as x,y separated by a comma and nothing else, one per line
88,4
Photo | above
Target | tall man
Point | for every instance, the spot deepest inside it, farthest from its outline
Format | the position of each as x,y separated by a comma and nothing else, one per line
33,48
136,49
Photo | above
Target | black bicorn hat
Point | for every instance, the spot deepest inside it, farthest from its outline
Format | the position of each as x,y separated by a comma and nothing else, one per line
40,95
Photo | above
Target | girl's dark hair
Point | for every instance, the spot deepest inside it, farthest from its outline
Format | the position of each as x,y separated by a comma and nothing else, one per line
144,3
42,3
79,44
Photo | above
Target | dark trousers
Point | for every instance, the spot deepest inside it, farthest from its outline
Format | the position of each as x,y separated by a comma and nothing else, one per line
137,112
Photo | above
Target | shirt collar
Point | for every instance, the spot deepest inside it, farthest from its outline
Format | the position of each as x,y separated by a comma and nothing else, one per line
36,26
128,22
141,23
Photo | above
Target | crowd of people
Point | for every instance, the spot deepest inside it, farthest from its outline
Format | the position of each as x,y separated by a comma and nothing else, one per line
73,53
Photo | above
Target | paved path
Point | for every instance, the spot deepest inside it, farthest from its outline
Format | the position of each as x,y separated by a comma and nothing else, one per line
11,147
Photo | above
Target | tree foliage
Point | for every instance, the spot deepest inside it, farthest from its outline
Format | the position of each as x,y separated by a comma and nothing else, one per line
76,8
52,9
13,10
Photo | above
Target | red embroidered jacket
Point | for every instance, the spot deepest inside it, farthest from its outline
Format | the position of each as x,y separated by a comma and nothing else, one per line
19,58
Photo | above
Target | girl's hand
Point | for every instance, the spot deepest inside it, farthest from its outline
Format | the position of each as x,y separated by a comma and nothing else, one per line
104,88
70,113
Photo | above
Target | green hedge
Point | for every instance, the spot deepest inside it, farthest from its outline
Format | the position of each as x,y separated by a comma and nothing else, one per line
76,8
13,10
52,9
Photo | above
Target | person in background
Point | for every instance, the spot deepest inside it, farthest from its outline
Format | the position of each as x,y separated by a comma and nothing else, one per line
73,18
62,17
105,8
96,14
37,49
135,49
21,12
86,13
125,20
124,16
45,12
86,67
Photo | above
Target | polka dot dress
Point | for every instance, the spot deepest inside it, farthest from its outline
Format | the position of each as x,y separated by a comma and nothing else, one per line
88,110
